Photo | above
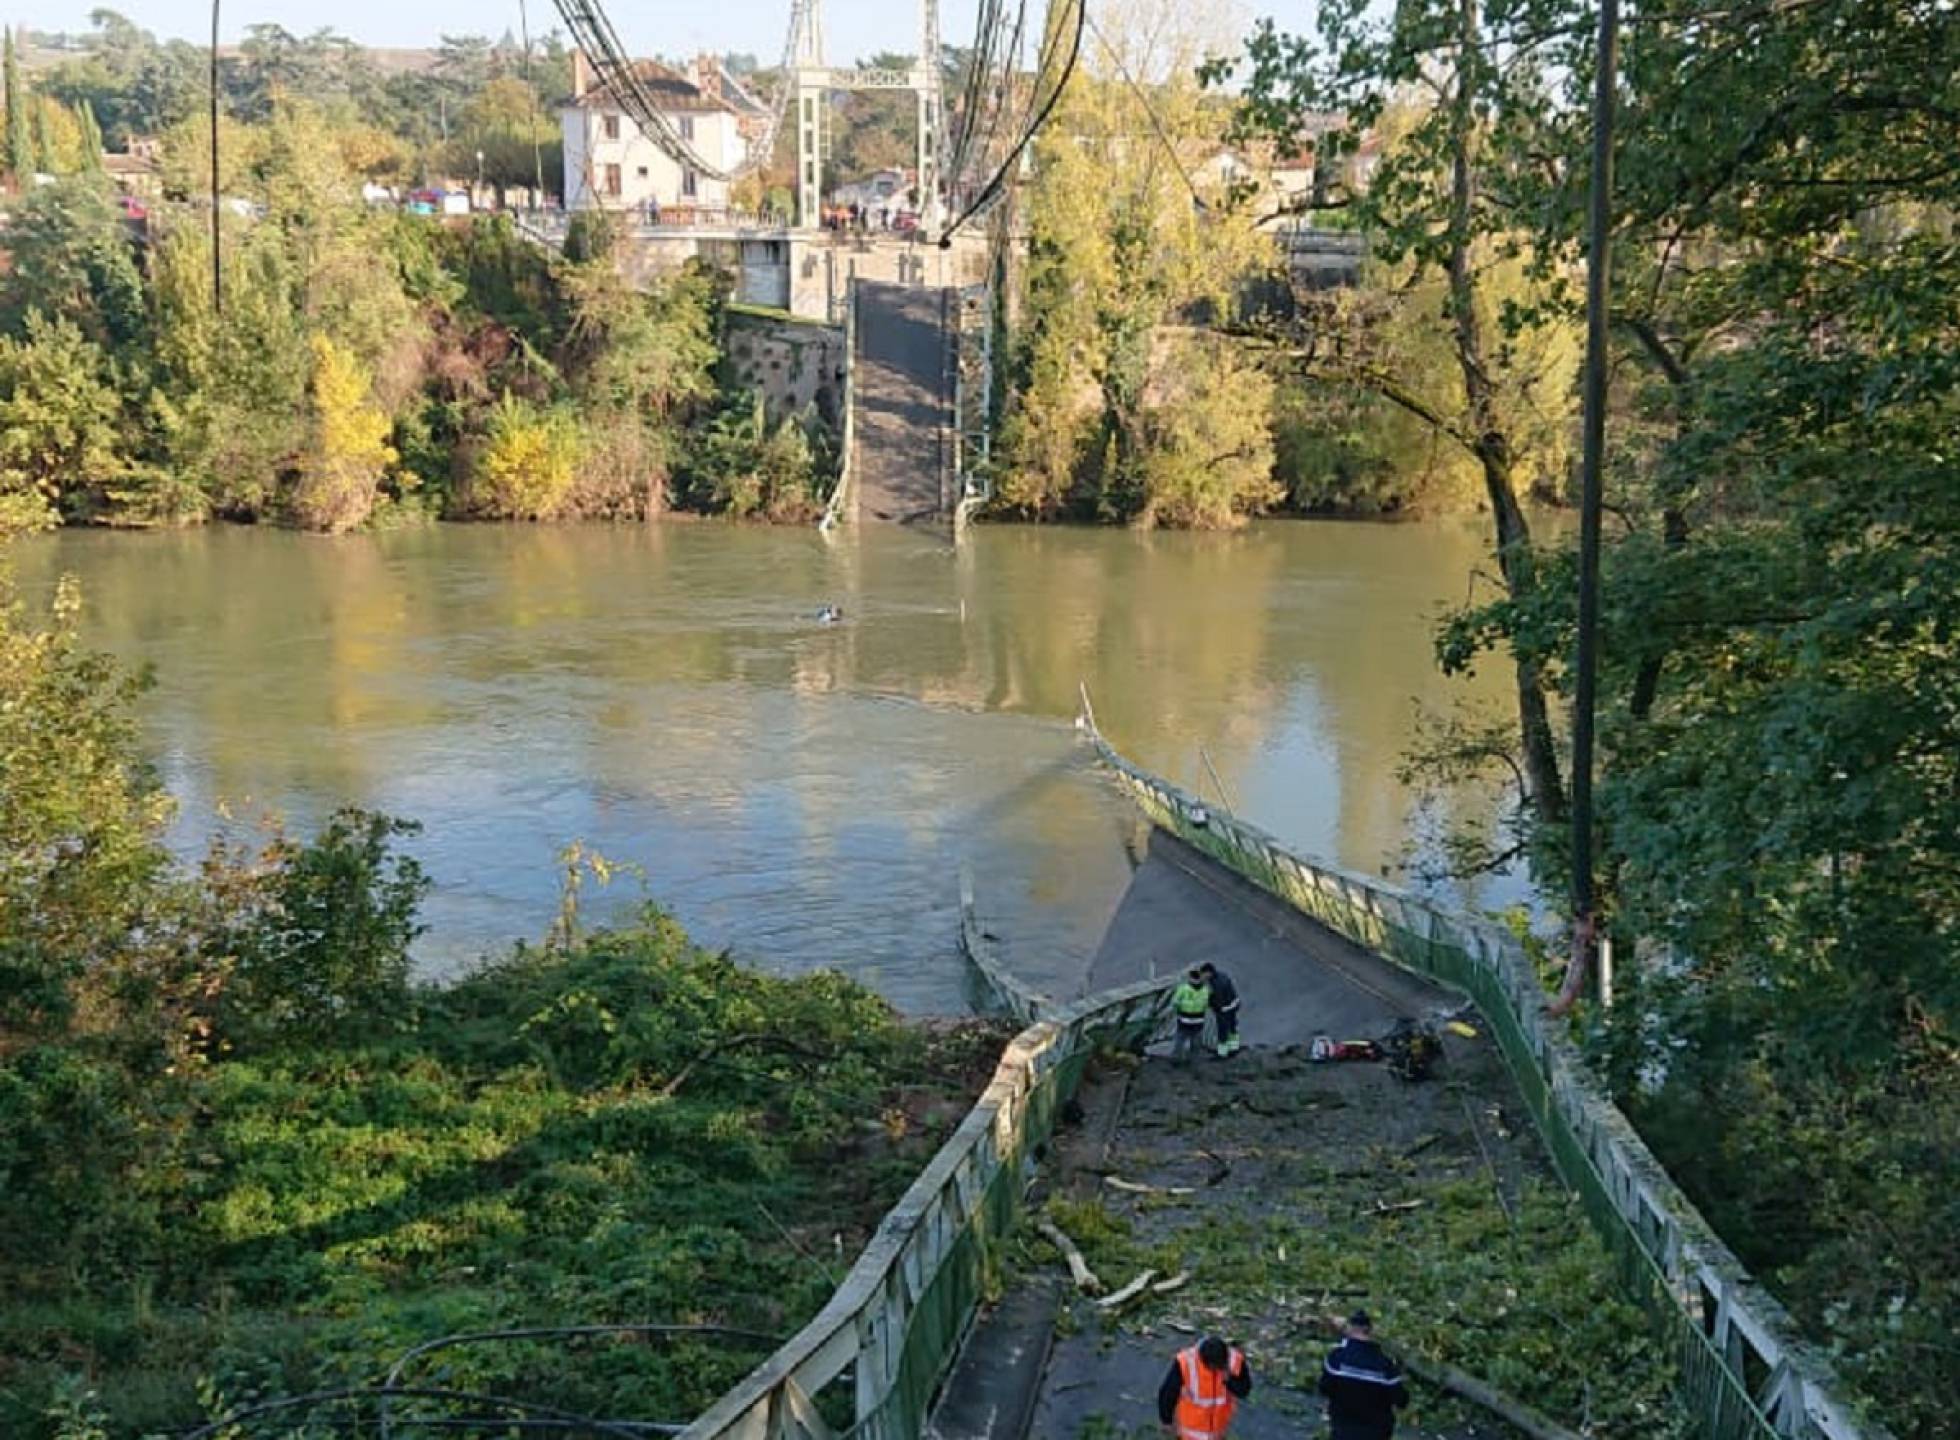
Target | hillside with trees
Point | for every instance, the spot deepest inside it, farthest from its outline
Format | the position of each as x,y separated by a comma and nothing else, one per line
1780,693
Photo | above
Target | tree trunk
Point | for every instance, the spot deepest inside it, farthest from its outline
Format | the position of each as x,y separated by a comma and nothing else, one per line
1493,446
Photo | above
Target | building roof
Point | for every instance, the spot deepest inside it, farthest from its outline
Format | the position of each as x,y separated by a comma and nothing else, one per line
672,92
719,80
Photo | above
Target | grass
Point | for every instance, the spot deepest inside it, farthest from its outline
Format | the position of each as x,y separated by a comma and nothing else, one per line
634,1131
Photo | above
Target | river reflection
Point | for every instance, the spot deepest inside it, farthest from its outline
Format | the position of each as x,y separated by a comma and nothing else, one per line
803,793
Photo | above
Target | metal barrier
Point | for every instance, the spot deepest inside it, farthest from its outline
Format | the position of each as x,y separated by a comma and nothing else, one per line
899,1318
1744,1372
837,508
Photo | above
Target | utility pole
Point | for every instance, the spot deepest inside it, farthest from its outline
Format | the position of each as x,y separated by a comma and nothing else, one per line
1585,919
537,144
217,259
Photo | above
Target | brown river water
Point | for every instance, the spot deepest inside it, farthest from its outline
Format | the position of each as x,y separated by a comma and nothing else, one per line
803,793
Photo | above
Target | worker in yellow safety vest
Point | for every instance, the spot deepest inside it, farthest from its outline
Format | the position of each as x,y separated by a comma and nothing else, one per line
1189,1004
1204,1385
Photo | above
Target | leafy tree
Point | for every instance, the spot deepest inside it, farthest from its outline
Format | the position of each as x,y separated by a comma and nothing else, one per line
60,446
75,260
1119,250
1441,202
508,125
747,466
91,142
348,450
320,946
526,466
238,382
133,84
81,819
20,135
1207,438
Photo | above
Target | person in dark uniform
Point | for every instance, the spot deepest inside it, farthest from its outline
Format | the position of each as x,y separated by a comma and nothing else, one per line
1363,1386
1224,1007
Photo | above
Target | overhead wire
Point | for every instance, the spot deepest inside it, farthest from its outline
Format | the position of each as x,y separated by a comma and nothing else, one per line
1004,88
979,67
1043,111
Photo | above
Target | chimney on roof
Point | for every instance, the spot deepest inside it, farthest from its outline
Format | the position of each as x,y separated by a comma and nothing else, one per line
581,74
707,74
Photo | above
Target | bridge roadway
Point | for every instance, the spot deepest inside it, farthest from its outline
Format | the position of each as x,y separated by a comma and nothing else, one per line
1269,1111
904,403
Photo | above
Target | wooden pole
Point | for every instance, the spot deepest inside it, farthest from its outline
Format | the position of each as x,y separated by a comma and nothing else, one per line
217,264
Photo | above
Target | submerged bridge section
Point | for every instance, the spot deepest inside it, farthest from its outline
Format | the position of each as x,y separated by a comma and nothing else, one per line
901,466
1314,949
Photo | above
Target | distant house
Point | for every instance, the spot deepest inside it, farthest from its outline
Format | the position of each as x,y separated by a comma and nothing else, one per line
610,165
137,170
712,77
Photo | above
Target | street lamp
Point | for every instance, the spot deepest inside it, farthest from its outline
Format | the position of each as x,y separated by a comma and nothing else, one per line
479,178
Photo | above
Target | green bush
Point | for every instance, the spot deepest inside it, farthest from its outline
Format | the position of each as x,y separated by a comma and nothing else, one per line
526,465
749,468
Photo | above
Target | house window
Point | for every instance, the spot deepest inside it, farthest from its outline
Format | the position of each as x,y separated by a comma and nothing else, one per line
642,172
611,124
687,127
612,180
687,184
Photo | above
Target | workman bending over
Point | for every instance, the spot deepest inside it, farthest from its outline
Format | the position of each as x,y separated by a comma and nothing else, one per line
1224,1005
1363,1386
1203,1385
1189,1002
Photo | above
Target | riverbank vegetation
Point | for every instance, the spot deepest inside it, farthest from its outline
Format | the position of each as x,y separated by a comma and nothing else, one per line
243,1155
1780,692
366,368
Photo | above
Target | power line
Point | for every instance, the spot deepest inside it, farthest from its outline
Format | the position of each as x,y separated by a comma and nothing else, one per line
993,186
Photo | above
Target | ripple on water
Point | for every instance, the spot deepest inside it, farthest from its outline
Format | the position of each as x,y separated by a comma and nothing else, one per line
805,795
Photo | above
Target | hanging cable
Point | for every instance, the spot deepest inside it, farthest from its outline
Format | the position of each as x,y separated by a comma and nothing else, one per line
993,186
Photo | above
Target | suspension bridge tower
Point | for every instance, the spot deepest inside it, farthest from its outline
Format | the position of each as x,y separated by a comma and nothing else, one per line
814,78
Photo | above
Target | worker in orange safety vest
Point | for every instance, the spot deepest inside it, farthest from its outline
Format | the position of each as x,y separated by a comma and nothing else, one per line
1204,1385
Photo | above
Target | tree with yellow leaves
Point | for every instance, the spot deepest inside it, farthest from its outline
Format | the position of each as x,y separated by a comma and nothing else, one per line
1133,236
348,450
526,466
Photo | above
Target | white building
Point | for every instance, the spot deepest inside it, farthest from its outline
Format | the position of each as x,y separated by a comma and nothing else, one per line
610,165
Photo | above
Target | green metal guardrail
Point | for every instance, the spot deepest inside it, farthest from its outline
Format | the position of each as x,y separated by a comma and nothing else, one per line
897,1322
1744,1372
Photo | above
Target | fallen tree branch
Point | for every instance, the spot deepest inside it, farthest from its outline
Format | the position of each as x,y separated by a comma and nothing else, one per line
1383,1207
1132,1187
1171,1286
1129,1292
737,1042
1085,1279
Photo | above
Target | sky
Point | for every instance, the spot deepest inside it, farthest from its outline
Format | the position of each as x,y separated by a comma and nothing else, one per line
854,28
